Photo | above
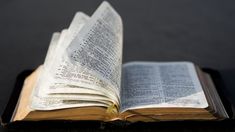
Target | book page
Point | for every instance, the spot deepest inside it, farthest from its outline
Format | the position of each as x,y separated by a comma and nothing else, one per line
62,80
52,86
166,84
98,46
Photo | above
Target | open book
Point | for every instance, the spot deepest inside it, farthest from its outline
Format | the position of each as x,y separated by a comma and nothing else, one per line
83,78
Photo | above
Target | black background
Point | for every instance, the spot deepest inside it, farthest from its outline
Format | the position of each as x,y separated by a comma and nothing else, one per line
201,31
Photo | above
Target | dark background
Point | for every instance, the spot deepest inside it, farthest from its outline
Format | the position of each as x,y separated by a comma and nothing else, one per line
201,31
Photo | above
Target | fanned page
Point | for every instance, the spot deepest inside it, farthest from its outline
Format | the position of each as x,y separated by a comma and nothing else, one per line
159,85
65,84
98,46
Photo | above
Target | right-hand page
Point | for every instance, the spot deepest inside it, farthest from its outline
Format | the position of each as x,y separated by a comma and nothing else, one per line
161,84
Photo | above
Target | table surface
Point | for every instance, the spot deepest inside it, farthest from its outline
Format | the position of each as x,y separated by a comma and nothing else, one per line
201,31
